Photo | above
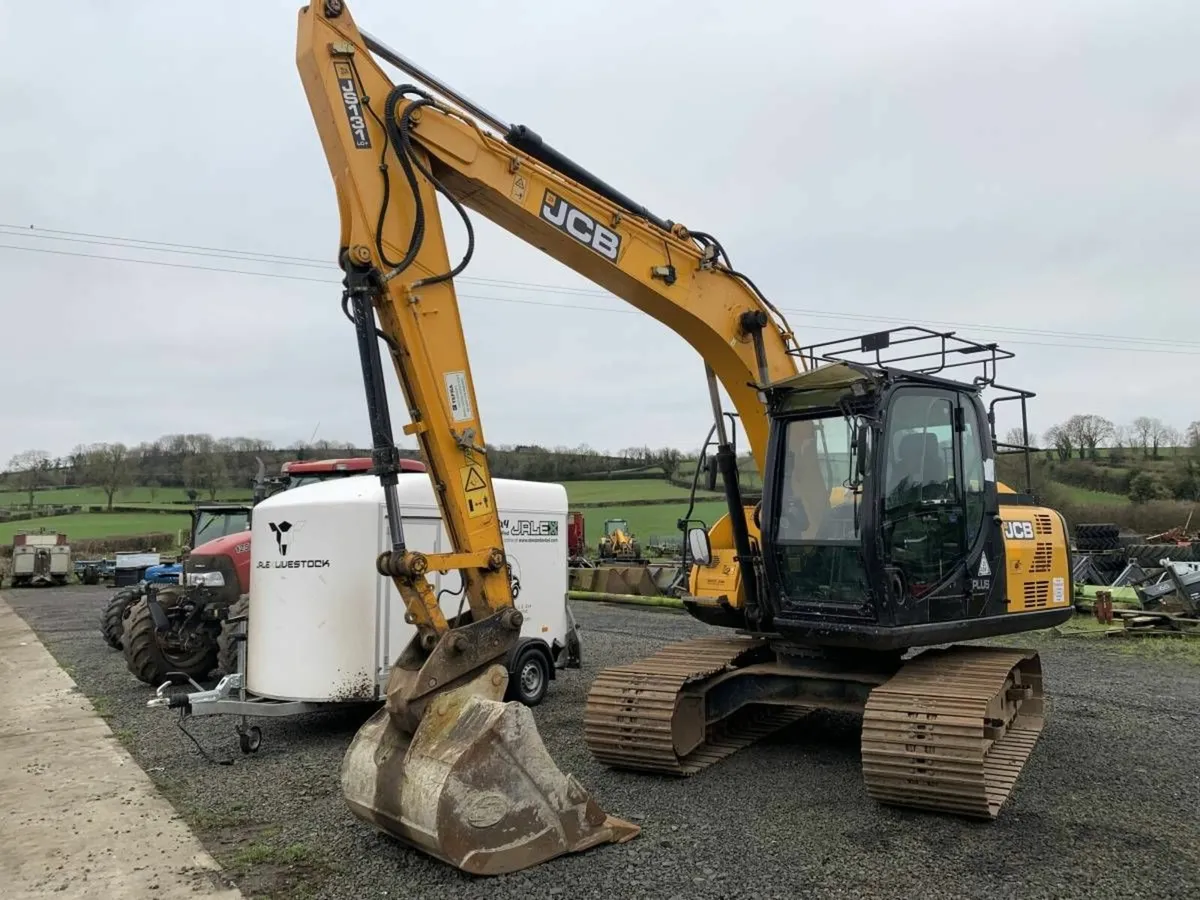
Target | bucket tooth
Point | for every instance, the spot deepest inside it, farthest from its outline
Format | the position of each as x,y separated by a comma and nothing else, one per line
474,785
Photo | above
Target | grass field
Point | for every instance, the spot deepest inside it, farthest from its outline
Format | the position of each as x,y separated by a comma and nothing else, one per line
97,525
1084,495
92,496
647,521
629,489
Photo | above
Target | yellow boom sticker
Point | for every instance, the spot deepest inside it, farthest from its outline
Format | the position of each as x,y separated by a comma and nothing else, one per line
518,188
476,489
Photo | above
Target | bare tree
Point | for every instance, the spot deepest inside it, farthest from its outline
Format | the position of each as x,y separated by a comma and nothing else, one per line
205,469
1016,437
1158,436
668,458
1144,428
31,470
1193,435
109,466
1088,431
1170,437
1058,438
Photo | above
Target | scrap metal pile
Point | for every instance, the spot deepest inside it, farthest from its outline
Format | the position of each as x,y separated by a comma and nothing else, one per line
1161,572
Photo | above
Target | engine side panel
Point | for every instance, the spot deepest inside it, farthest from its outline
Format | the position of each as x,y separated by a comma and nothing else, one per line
1037,558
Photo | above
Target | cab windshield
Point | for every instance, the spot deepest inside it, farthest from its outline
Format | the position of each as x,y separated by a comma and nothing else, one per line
819,501
210,526
816,500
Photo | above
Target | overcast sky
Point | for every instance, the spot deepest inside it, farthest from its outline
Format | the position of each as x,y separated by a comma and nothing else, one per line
1029,168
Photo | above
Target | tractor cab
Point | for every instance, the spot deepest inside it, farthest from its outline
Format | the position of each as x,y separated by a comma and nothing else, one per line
613,527
212,521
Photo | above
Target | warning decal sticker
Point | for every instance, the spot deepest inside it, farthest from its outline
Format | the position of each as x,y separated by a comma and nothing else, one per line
476,489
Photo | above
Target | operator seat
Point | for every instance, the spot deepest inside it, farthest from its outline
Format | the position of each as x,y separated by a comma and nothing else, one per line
920,462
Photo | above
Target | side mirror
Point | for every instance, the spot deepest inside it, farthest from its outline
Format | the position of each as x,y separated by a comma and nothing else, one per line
710,474
699,546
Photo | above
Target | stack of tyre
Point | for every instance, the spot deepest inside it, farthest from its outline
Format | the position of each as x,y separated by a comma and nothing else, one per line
1101,542
1096,536
1149,556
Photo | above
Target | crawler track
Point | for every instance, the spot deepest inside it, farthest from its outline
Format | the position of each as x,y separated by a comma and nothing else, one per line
630,708
949,732
953,729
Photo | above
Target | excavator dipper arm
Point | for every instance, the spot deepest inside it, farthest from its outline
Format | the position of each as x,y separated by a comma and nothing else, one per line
445,766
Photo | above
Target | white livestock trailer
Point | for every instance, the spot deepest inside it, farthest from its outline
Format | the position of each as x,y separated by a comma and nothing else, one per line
324,627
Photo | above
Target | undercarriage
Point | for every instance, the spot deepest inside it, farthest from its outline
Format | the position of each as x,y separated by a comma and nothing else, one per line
947,730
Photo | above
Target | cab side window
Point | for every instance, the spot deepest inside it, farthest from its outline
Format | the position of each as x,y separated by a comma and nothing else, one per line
974,489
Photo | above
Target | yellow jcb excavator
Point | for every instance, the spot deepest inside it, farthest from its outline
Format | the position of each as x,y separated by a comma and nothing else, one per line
881,525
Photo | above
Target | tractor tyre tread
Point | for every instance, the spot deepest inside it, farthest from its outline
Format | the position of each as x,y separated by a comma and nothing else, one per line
145,658
112,616
227,647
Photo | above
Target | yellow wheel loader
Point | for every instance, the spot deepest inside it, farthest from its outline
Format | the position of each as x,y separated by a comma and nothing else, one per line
618,543
882,526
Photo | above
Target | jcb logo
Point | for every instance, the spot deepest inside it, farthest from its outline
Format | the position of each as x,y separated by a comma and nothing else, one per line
1019,531
579,225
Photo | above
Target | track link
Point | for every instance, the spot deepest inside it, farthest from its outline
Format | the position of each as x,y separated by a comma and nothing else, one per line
951,731
630,711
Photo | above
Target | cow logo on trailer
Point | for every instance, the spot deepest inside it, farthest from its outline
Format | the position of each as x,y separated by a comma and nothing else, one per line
285,533
282,531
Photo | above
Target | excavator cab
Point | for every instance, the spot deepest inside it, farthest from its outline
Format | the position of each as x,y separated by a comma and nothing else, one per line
881,526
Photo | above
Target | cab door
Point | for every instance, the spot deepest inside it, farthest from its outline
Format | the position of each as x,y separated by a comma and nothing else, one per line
933,502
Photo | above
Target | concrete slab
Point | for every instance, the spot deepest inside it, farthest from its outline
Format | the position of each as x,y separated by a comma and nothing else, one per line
78,817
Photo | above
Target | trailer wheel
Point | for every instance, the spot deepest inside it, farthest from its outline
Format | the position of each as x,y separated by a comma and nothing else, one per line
530,676
227,646
146,658
112,617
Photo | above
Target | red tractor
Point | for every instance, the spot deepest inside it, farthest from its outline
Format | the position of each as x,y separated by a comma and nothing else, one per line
576,540
178,627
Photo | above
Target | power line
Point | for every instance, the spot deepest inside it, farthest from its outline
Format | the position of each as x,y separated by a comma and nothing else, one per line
254,256
109,237
1124,347
309,262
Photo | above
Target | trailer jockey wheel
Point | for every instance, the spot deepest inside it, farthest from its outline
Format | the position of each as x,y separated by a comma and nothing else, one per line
249,739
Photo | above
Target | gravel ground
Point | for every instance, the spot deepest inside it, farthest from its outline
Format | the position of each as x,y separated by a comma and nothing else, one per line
1106,806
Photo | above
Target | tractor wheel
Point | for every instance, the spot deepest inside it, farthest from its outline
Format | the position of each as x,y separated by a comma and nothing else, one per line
227,647
112,617
145,656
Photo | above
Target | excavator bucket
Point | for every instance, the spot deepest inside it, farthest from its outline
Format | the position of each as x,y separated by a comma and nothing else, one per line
474,785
